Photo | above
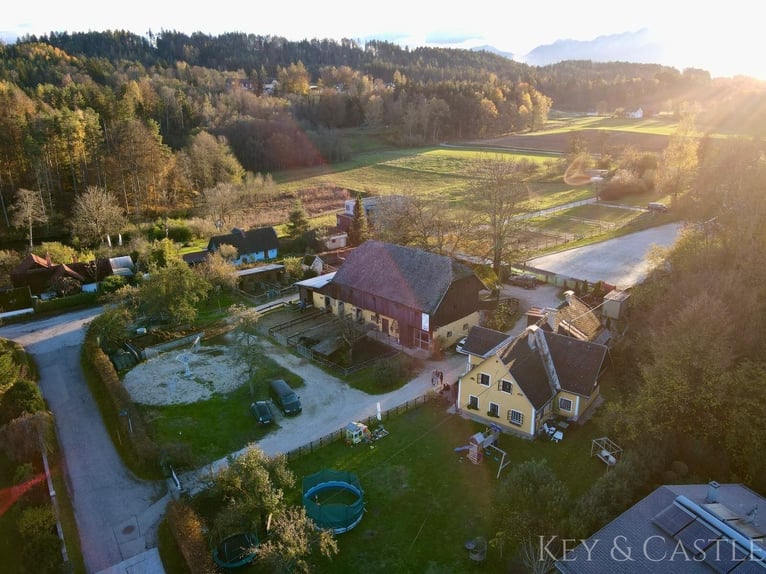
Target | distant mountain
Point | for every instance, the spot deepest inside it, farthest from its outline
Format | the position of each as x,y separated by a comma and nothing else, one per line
493,50
634,47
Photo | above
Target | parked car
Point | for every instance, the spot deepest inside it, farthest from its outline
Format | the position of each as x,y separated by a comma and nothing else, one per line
262,412
526,280
657,207
284,397
460,344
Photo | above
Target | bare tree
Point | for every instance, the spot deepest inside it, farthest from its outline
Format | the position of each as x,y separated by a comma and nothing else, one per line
96,214
499,190
222,203
27,210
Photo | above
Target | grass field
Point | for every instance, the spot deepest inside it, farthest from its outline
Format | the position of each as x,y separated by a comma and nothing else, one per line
424,499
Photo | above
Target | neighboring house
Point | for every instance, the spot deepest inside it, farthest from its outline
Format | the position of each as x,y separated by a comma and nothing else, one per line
41,274
335,240
615,304
261,277
370,205
270,86
313,263
412,298
259,244
572,318
122,266
520,383
196,257
678,529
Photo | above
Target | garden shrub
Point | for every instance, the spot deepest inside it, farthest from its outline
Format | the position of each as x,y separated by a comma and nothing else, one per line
111,284
23,396
41,548
63,303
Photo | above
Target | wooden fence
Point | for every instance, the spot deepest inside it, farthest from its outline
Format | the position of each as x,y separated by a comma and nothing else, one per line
340,434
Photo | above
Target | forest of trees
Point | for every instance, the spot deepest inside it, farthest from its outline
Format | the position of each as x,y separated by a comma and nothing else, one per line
162,120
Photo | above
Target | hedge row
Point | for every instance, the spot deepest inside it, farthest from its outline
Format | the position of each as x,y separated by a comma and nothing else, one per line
64,303
139,451
186,527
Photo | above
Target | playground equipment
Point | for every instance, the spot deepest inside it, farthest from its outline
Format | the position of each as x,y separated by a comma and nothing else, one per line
485,441
477,548
236,550
357,433
606,450
186,356
333,499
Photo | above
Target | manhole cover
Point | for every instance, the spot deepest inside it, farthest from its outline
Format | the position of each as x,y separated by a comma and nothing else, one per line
128,529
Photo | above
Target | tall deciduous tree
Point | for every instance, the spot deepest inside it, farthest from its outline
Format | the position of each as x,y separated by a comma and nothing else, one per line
222,203
292,540
97,213
253,486
679,160
219,271
532,502
212,162
498,192
27,210
174,289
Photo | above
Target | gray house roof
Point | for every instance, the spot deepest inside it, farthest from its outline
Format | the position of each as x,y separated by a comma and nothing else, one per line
481,341
246,242
577,363
679,529
412,277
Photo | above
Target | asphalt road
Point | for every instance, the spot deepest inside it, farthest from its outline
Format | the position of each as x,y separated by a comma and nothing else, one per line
621,262
116,513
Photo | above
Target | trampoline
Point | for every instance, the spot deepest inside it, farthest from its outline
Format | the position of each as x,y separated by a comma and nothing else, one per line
333,499
235,551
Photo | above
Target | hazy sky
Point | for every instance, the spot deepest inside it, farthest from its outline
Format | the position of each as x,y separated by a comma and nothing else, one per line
724,38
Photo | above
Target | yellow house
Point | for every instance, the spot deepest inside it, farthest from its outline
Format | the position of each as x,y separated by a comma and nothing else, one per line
522,382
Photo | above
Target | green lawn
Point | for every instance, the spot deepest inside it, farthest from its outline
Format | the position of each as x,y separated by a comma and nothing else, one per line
197,433
424,499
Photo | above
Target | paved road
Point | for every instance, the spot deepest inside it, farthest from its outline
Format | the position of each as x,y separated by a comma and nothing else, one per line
116,514
621,261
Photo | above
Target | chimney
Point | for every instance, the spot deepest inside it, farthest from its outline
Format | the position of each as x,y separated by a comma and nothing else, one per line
568,296
712,492
531,336
552,317
48,259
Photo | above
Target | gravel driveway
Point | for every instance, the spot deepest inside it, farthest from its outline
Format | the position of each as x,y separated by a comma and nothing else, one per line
329,404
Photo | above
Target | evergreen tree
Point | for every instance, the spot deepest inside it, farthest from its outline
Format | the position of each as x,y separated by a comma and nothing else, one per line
359,232
298,223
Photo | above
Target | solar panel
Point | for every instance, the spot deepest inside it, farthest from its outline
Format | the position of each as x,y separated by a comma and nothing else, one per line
673,519
696,536
750,567
725,556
